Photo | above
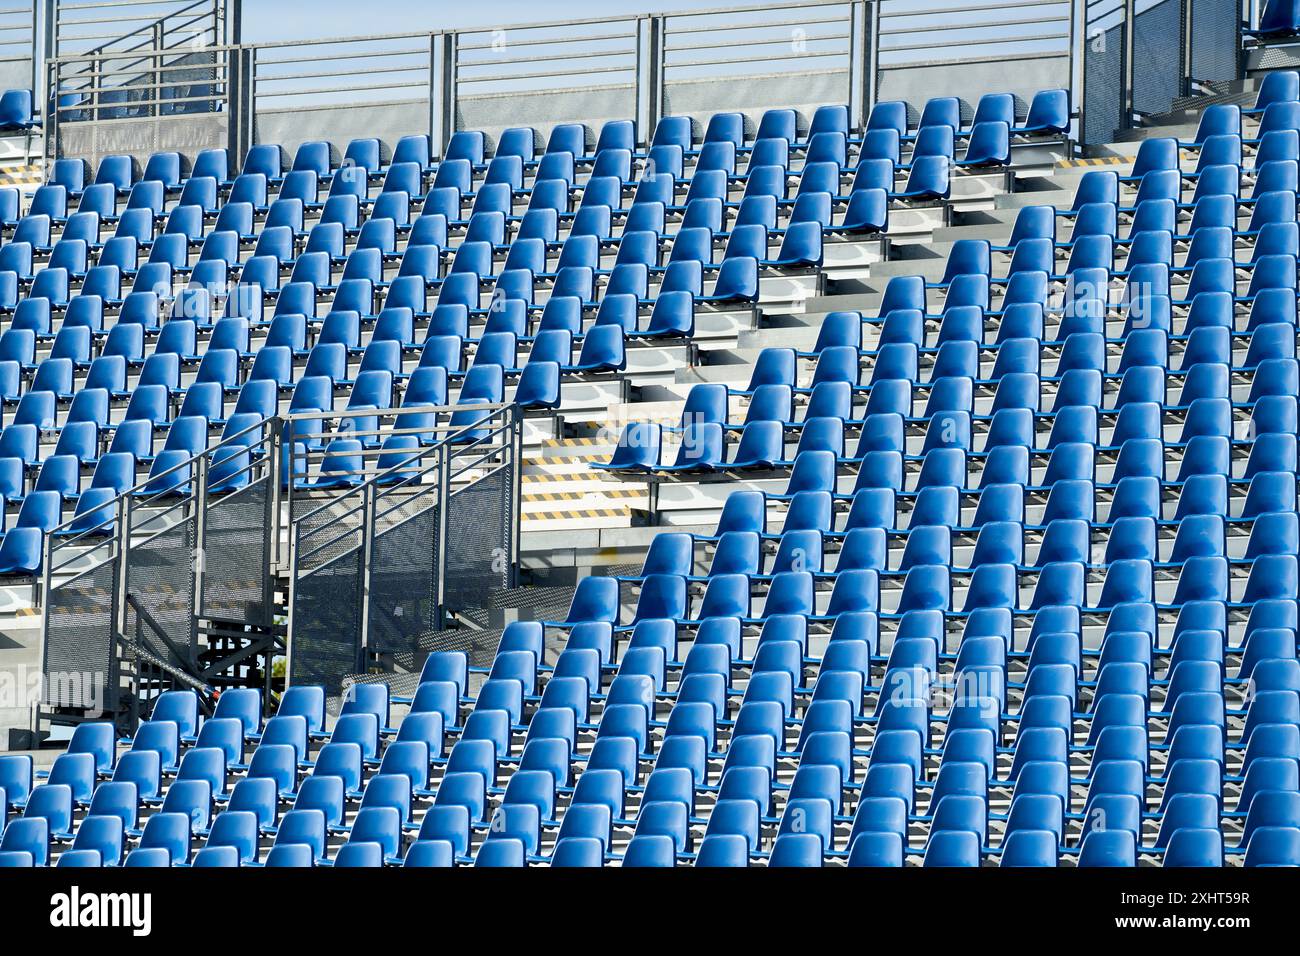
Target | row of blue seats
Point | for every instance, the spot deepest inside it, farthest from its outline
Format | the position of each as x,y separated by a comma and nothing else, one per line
957,812
825,553
993,585
1048,114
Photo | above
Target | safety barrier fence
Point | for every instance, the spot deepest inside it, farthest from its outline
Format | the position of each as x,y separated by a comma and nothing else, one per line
1119,58
197,548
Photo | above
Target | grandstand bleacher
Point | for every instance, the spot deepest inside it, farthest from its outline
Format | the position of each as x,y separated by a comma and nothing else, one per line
966,473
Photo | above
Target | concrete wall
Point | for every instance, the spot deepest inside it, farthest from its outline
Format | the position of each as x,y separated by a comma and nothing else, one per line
1022,76
800,91
16,74
339,124
594,105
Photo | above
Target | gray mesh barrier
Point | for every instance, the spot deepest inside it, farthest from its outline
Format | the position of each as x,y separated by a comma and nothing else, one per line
1103,81
1215,42
236,555
1157,57
160,581
324,533
403,576
79,638
326,621
479,520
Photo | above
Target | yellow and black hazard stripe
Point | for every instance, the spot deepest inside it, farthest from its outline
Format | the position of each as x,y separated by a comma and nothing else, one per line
552,477
578,495
566,460
574,442
586,514
20,176
1093,161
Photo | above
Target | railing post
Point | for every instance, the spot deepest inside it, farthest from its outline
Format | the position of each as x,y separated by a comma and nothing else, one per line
289,459
367,554
51,29
1130,31
434,104
38,75
862,43
200,497
649,75
874,49
43,587
290,600
50,115
241,99
516,490
442,90
275,441
155,108
50,92
234,20
440,568
234,90
1078,14
124,517
248,105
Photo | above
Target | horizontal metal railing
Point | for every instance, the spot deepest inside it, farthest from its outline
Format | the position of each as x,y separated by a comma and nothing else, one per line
97,88
93,27
340,532
18,30
159,514
636,65
646,54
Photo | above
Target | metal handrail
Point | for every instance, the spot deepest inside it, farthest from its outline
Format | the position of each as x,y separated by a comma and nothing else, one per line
437,448
369,504
864,40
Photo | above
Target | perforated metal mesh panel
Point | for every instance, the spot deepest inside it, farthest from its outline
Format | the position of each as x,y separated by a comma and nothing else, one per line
1103,91
160,579
479,520
325,533
1157,57
327,623
1214,39
197,88
236,555
79,638
403,588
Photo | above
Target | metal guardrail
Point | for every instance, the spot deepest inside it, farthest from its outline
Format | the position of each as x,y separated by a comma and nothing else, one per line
1140,56
375,567
18,29
131,59
639,66
204,538
133,569
92,27
647,65
20,44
